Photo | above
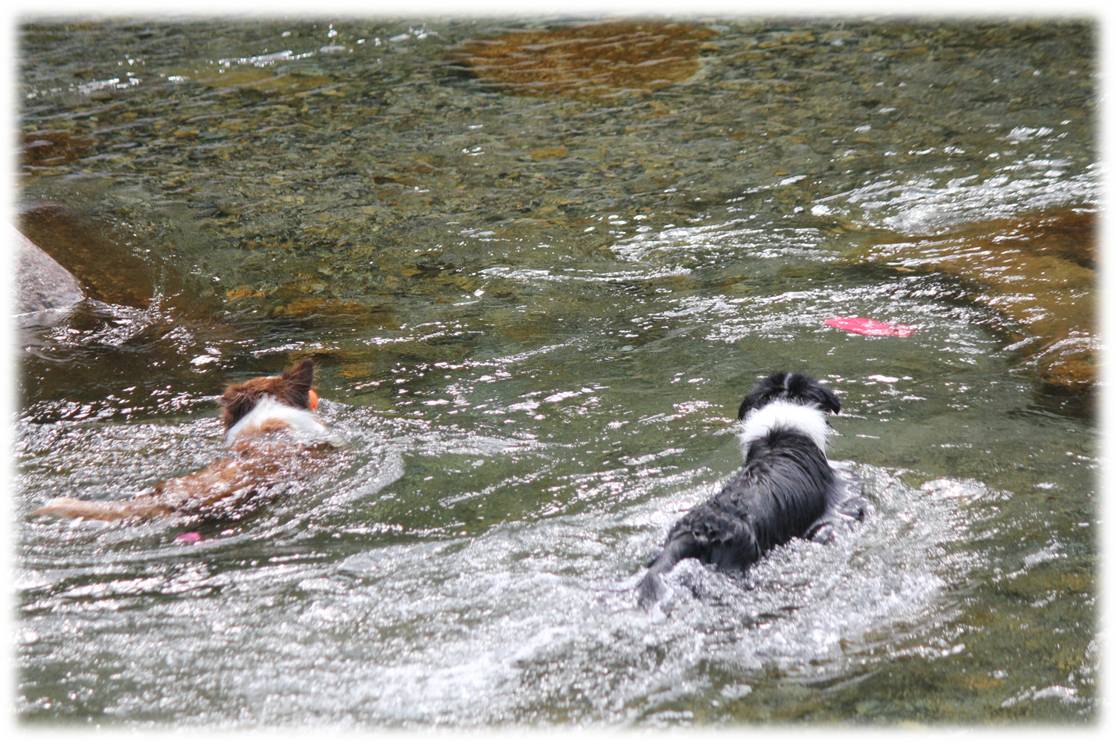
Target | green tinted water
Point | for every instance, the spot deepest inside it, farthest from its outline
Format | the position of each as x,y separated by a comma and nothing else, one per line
534,318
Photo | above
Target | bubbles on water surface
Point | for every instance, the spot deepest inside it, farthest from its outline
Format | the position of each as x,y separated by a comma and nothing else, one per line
555,356
925,205
525,621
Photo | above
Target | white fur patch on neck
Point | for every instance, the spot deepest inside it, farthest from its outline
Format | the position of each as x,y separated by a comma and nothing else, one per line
781,414
268,410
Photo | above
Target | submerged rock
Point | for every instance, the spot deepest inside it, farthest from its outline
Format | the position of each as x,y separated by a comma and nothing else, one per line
308,298
589,61
108,270
1037,270
266,79
116,268
144,323
46,147
41,282
329,307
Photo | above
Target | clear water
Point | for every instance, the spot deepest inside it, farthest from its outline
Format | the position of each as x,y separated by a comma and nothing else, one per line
534,318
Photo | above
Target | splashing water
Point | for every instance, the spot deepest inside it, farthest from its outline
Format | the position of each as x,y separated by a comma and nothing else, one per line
534,317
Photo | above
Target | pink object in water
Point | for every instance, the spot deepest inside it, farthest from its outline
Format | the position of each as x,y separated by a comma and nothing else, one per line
189,537
869,327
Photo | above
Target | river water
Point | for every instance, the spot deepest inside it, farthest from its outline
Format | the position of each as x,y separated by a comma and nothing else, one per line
535,308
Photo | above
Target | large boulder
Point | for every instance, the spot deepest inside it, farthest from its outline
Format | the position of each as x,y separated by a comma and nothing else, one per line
42,283
109,271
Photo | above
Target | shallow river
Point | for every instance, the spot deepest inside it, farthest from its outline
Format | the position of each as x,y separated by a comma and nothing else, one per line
535,306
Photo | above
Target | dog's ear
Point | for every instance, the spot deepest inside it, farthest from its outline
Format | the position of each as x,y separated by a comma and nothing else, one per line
807,388
828,400
236,403
300,373
765,390
297,381
752,401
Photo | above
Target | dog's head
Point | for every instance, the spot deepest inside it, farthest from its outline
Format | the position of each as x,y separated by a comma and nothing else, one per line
292,387
792,387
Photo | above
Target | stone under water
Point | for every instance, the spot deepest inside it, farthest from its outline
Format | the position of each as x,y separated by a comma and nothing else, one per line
51,147
41,282
106,267
590,61
1037,270
263,79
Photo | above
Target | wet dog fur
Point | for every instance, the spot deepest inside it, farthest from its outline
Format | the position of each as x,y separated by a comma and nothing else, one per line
273,437
786,489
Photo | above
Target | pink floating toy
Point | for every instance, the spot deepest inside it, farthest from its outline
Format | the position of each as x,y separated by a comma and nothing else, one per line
189,538
869,327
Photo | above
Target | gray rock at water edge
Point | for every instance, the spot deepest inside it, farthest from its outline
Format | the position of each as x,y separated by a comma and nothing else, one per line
42,284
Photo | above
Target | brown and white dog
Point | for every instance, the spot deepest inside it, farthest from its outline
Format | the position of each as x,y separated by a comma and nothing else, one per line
274,437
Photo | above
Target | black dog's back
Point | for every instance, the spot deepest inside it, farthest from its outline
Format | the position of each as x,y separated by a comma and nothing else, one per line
782,490
785,487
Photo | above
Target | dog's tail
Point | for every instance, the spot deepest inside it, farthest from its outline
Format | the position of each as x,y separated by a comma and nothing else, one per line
107,511
652,588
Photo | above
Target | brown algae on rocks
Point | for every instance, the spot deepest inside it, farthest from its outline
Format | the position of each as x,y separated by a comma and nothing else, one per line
1036,270
51,147
263,79
591,61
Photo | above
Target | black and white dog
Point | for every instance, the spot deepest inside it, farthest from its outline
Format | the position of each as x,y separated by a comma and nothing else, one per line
786,489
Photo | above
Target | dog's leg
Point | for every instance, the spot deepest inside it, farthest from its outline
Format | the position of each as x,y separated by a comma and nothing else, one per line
652,588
